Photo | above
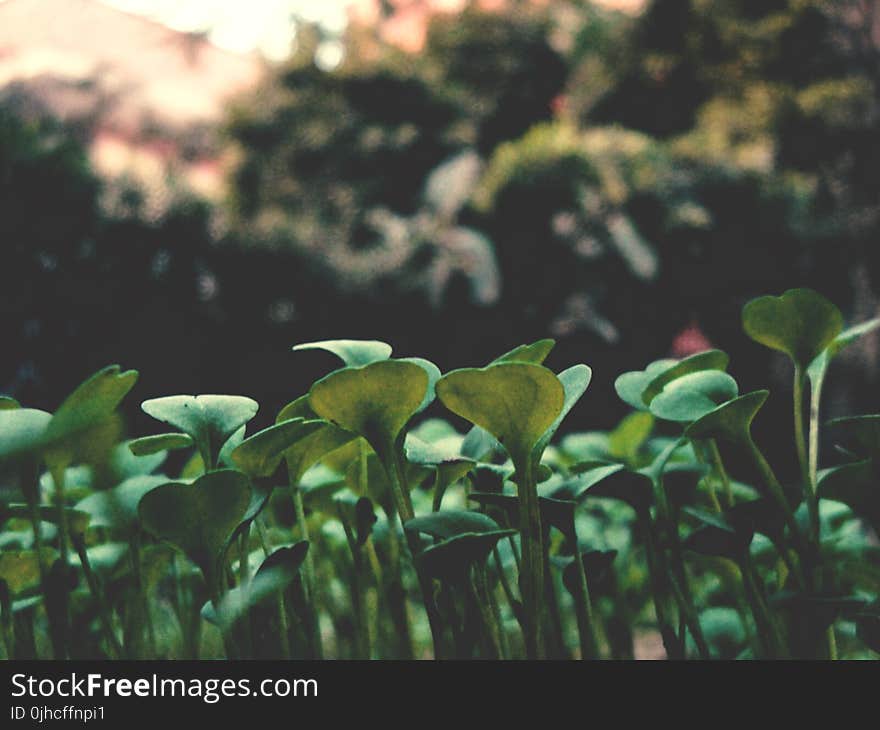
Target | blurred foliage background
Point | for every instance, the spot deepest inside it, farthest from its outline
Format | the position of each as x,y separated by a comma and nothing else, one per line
622,182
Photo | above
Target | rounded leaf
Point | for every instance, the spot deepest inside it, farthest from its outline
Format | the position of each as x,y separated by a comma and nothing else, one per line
692,396
535,353
147,445
22,432
209,419
708,360
515,402
449,523
800,323
260,454
451,558
860,435
375,401
730,421
200,518
92,402
117,508
354,353
630,387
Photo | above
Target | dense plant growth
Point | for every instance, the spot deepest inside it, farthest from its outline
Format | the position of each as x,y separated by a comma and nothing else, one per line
358,525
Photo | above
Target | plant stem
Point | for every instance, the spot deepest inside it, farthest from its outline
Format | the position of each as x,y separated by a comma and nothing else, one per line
832,643
775,489
142,594
405,513
314,628
722,472
584,609
532,574
480,601
497,620
801,445
657,590
95,588
58,473
815,405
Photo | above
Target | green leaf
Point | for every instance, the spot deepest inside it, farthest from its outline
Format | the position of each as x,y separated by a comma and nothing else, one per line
433,373
124,463
375,401
198,519
690,397
535,353
716,536
90,403
147,445
627,439
731,421
22,433
480,445
860,435
209,419
615,482
575,381
708,360
800,323
354,353
277,572
323,444
856,485
515,402
631,386
448,463
260,454
20,570
117,508
298,408
449,523
451,559
817,369
8,404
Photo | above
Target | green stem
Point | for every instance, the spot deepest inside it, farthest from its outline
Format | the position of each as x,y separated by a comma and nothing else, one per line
801,445
497,620
100,600
709,482
775,490
532,575
142,594
362,628
30,489
767,634
815,404
584,608
657,590
58,474
717,462
308,574
832,643
480,601
405,512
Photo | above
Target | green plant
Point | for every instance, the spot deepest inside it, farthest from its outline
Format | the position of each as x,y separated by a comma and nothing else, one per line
359,525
